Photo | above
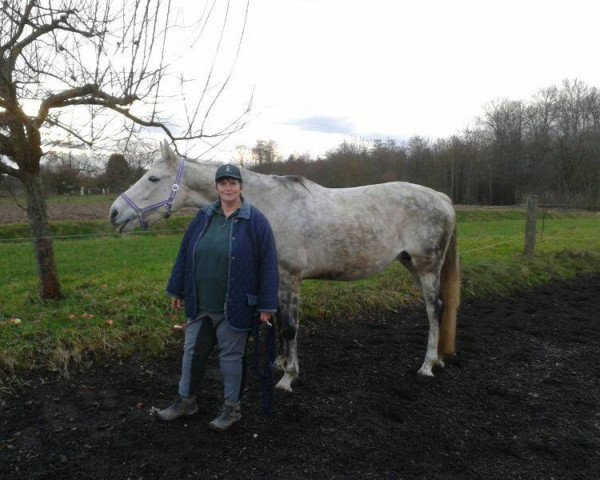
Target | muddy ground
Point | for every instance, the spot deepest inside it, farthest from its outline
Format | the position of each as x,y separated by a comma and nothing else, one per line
520,400
68,210
13,213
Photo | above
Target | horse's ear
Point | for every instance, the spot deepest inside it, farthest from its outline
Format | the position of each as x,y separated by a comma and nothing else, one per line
168,155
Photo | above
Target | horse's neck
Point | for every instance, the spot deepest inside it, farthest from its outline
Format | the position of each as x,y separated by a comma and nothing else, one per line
263,191
199,179
257,183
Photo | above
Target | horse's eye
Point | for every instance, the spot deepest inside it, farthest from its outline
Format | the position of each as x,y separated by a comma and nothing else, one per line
153,179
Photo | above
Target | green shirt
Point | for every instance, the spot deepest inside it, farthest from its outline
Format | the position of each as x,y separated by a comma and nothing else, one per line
212,263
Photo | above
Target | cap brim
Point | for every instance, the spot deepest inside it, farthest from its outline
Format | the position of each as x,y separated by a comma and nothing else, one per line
233,177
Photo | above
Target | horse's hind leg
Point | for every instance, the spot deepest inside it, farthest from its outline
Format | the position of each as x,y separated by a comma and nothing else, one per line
406,260
287,358
427,277
430,285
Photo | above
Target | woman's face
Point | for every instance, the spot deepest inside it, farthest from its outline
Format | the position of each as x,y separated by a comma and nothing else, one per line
229,190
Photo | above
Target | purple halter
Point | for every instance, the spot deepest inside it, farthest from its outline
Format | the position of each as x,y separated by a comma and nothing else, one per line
168,202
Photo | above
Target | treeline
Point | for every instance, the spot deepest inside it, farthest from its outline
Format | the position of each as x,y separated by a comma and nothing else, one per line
65,173
68,173
548,146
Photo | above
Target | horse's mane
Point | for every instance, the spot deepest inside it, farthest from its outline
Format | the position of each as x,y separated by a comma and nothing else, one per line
292,180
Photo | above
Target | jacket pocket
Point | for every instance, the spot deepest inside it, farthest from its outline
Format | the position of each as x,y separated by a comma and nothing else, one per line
252,299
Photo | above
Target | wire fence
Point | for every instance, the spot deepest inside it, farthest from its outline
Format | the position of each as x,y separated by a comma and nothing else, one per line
156,233
532,230
548,206
179,231
520,241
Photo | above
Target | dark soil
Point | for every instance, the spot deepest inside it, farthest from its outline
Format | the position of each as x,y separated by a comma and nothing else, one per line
12,213
520,400
73,210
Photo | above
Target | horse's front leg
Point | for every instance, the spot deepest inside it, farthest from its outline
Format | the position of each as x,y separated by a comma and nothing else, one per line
287,358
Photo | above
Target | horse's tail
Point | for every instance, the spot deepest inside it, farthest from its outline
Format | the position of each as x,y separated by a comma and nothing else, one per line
450,293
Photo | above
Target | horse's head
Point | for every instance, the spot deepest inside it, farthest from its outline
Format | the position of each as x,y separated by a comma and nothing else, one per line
156,195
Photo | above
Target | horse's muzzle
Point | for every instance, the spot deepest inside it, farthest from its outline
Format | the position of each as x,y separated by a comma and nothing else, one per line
113,217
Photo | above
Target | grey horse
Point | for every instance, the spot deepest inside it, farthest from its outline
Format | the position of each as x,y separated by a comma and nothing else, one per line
324,233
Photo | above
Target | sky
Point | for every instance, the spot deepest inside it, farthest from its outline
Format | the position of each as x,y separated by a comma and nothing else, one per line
325,71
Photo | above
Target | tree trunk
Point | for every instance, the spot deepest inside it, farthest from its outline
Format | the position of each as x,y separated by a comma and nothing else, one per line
453,194
42,242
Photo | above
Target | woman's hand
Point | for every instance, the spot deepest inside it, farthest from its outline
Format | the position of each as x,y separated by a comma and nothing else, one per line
176,303
265,317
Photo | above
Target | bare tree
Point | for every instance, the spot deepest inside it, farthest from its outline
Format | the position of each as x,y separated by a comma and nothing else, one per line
265,152
243,156
577,128
504,122
139,155
66,68
66,171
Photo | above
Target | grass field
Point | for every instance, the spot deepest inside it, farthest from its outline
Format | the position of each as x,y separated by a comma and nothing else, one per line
114,285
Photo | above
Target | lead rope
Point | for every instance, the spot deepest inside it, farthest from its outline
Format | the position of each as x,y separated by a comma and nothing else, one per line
266,373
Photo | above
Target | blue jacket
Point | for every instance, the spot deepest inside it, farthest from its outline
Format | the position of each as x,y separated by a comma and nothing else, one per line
253,278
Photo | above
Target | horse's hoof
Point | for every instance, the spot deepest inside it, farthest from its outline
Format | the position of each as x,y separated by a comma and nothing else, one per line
284,385
440,363
425,372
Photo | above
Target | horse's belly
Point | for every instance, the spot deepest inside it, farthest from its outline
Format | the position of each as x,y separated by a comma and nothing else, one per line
348,267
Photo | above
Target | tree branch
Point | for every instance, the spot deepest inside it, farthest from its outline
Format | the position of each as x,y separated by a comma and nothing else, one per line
6,147
145,123
60,23
225,83
88,94
20,27
4,168
70,131
9,116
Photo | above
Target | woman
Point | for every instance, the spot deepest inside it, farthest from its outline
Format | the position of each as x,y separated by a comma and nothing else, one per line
225,272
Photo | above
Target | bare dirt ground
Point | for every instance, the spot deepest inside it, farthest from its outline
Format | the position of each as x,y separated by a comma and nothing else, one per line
12,213
521,400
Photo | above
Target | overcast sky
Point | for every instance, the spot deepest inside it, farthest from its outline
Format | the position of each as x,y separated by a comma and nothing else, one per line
328,70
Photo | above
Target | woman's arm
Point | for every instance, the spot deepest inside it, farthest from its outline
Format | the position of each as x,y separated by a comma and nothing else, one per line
268,268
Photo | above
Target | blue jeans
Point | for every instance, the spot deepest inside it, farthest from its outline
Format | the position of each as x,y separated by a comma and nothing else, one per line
201,335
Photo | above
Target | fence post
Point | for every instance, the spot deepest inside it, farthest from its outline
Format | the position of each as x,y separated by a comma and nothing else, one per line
530,220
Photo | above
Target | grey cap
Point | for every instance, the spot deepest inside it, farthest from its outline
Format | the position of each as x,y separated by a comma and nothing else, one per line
228,171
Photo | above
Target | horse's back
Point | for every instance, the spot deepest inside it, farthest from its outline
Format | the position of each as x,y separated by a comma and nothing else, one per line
351,233
390,207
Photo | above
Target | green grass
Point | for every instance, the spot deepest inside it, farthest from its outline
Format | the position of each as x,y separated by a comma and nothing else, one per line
122,279
118,279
